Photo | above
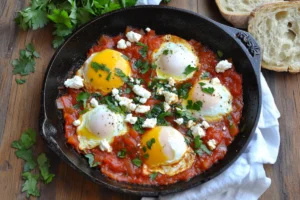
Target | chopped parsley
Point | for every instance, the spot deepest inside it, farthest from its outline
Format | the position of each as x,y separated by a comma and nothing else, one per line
138,125
108,76
189,69
110,102
125,57
167,51
82,97
122,153
127,90
137,162
31,184
183,90
208,90
194,106
91,160
146,155
20,81
197,142
205,75
96,66
44,168
153,175
158,112
200,147
144,149
150,142
121,74
142,66
220,54
144,50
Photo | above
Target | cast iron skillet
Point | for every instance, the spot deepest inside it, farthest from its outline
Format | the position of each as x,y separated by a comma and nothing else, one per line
232,42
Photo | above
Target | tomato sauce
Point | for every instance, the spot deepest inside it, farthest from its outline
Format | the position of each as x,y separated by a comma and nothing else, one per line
123,169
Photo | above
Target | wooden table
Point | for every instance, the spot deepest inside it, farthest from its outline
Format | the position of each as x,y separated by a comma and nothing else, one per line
19,110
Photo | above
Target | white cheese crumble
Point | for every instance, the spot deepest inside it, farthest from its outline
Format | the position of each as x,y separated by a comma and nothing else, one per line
215,81
137,81
105,146
124,101
179,121
197,130
94,103
190,123
77,122
142,109
132,106
224,128
149,123
115,92
222,66
130,119
143,100
128,44
76,82
205,124
121,44
212,144
166,106
131,79
171,81
133,37
170,97
148,29
159,91
142,92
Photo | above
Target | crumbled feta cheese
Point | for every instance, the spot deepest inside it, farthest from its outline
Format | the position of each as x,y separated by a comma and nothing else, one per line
149,123
128,44
224,128
171,81
142,92
190,123
115,92
137,81
223,65
143,100
76,82
94,103
205,124
159,91
170,97
179,121
166,106
133,37
132,107
142,109
77,122
148,29
130,119
212,144
105,146
215,81
174,89
197,130
131,79
124,101
121,44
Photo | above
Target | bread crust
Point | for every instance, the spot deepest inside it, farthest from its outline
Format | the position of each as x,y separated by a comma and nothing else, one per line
284,4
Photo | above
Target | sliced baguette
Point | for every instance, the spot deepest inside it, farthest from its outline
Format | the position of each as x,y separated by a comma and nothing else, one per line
237,12
276,27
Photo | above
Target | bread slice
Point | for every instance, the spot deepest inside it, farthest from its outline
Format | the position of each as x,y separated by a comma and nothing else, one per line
237,12
276,27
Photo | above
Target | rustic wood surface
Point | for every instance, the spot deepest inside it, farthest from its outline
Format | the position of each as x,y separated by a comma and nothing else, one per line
19,110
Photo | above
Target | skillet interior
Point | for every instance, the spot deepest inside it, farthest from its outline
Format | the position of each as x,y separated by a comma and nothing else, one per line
163,20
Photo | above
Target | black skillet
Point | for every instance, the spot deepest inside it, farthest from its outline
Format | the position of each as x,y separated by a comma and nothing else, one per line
234,43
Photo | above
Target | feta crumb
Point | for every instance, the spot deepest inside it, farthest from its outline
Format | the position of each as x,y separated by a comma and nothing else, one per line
142,92
77,122
142,109
115,92
224,128
94,103
137,81
143,100
223,65
159,91
197,130
130,119
166,106
149,123
133,37
179,121
215,81
170,97
190,123
121,44
124,101
105,146
212,144
132,107
128,44
205,124
174,89
76,82
131,79
148,29
171,81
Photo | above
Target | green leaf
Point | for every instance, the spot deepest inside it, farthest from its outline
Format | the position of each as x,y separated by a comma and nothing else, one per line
208,90
150,142
138,125
91,160
137,162
167,51
127,90
110,102
153,176
144,50
122,153
220,54
194,106
142,66
183,90
44,168
30,185
83,97
108,76
60,17
27,140
20,81
26,155
121,74
57,41
189,69
96,66
125,57
205,75
197,142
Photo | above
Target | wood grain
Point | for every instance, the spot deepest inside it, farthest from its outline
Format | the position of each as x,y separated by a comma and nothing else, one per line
20,108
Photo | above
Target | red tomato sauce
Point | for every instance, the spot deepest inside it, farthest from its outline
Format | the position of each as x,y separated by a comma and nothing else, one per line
122,169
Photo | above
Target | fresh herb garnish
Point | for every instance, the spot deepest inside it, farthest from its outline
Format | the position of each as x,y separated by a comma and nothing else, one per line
205,75
197,142
183,90
142,66
153,175
208,90
96,66
91,160
127,90
121,74
122,153
30,185
158,112
144,50
220,54
125,57
144,149
189,69
82,97
108,76
167,51
20,81
44,168
194,106
146,156
150,142
110,102
138,125
200,147
137,162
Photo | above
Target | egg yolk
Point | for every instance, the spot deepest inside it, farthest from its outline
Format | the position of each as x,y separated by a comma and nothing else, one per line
104,79
156,154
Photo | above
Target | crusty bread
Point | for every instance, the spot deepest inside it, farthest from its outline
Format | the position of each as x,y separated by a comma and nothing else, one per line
237,12
276,27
